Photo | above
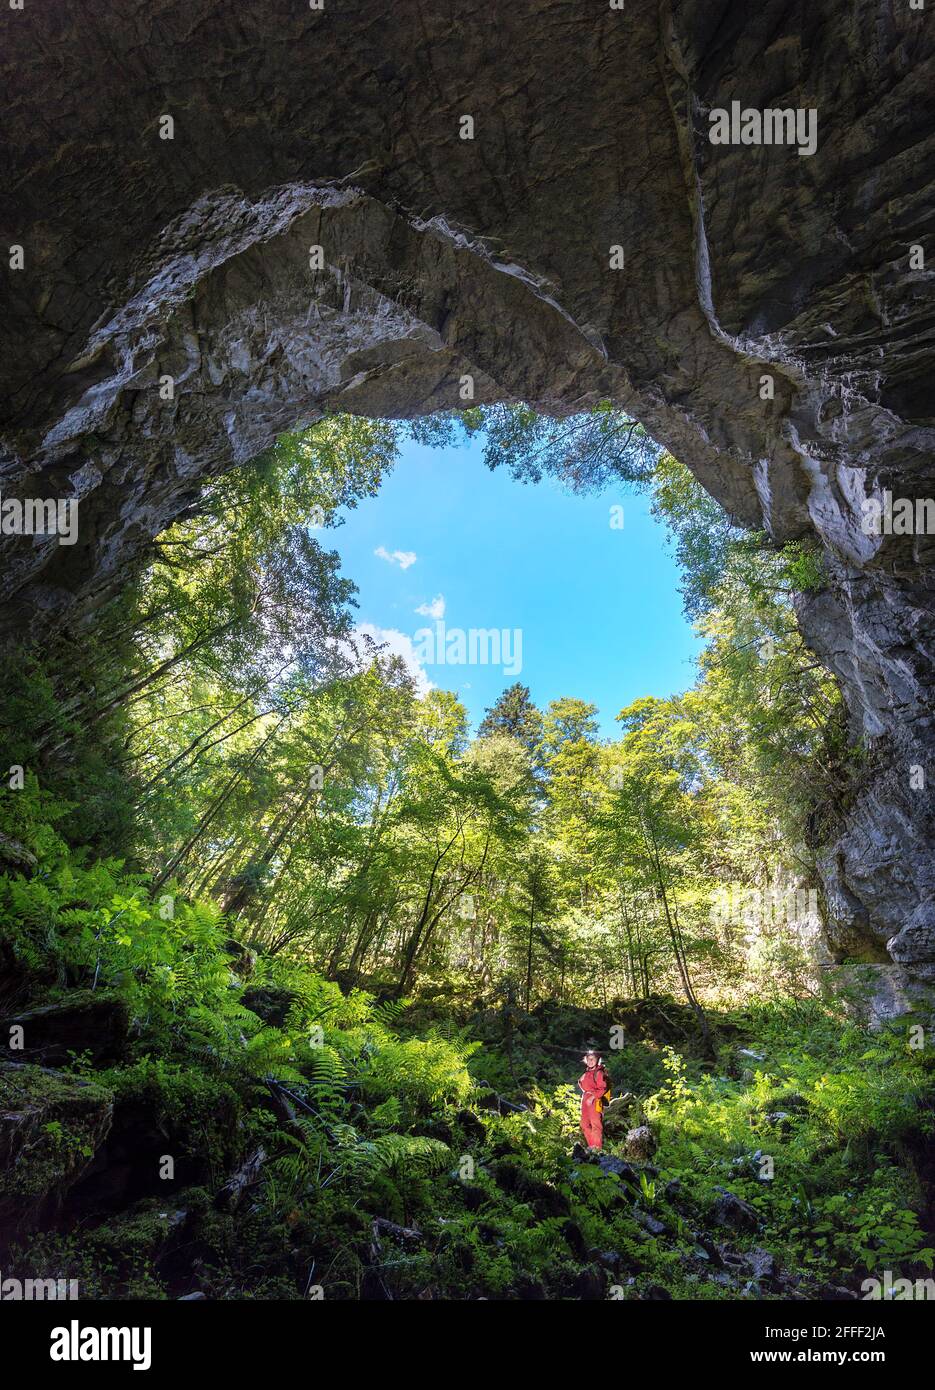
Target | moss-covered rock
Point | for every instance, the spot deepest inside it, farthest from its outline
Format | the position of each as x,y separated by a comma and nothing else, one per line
141,1242
89,1022
51,1126
620,1116
269,1002
162,1112
134,1254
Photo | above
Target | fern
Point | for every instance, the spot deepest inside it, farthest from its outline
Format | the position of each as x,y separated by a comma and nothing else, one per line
389,1012
269,1052
291,1173
401,1155
326,1079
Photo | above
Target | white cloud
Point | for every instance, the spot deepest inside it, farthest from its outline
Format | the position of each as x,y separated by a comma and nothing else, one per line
435,609
395,643
403,558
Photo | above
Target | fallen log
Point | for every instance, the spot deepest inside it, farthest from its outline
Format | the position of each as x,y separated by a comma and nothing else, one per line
238,1184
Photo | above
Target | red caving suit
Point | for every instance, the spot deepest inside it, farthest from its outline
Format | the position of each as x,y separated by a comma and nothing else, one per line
593,1086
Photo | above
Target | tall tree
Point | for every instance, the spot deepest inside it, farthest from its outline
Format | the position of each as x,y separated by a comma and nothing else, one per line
515,715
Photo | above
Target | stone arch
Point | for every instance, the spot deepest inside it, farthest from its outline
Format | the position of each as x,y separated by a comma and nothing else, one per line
147,258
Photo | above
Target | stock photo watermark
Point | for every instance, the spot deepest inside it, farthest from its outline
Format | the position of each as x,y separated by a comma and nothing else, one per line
897,516
35,516
740,125
476,646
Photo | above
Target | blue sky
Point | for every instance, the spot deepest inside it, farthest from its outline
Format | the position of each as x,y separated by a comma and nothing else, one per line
597,609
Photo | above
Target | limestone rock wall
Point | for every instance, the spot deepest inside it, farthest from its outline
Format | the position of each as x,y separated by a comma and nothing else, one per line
340,128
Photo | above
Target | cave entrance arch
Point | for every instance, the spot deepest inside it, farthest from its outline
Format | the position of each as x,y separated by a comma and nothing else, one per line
295,249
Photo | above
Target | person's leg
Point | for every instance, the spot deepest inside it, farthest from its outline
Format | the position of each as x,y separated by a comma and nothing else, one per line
584,1121
591,1126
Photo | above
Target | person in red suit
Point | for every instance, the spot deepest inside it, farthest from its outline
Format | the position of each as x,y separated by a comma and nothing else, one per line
595,1090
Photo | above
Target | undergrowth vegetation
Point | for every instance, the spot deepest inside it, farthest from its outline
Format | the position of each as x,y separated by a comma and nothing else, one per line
388,1162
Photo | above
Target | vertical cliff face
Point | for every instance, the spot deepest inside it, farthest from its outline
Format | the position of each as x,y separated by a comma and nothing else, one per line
318,235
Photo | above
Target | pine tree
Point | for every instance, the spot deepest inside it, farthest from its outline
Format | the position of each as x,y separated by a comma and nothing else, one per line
515,714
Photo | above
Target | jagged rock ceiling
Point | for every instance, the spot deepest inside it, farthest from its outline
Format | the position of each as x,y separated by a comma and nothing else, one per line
341,128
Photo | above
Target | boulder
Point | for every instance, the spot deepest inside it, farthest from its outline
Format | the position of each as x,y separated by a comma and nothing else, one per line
268,1002
780,1121
15,856
51,1126
618,1119
731,1210
761,1263
707,1250
609,1163
90,1022
150,1234
640,1144
187,1116
650,1224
